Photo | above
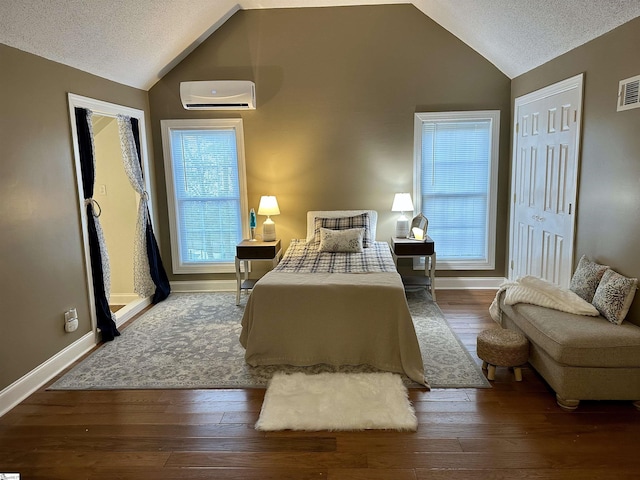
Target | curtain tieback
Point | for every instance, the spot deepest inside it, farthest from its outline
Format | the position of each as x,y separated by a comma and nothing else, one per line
94,203
144,202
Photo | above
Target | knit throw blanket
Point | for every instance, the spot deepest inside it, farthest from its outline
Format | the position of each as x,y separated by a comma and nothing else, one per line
537,291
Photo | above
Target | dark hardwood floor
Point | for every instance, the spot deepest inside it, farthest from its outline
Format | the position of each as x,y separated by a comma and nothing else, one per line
511,431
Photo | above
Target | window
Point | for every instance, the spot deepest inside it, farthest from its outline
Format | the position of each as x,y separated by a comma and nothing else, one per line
456,169
206,192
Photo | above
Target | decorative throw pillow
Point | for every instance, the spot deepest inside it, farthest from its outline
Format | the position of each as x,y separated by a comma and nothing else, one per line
345,223
586,278
614,296
347,241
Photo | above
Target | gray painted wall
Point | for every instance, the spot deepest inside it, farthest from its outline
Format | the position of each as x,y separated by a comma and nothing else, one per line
337,89
608,214
41,250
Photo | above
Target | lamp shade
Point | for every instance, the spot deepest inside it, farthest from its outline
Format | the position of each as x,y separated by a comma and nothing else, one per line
402,203
268,206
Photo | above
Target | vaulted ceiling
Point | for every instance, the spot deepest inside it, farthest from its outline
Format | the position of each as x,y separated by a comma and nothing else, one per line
135,42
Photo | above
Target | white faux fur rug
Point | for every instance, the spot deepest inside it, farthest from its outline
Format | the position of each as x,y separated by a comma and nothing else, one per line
336,401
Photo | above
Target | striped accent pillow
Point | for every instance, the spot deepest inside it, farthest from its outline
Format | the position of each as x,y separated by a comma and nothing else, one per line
345,223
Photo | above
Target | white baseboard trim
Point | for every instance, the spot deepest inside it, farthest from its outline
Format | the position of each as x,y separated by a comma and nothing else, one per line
123,298
39,376
204,286
468,283
131,309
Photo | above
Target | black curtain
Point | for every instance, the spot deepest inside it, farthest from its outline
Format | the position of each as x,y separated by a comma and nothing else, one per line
105,321
156,269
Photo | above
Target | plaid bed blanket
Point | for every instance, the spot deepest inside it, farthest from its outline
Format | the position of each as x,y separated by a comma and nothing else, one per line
303,257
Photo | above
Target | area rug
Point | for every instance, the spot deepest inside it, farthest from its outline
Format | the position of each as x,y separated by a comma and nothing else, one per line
191,341
336,401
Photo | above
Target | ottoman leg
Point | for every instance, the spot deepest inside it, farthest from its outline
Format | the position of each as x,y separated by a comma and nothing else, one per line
491,374
484,365
518,373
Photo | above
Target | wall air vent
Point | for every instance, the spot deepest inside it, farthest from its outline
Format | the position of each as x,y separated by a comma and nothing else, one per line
629,93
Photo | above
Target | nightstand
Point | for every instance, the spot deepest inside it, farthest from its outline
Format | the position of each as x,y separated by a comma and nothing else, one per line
254,251
411,248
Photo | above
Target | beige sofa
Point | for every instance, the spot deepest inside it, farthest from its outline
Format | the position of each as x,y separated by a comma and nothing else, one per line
580,357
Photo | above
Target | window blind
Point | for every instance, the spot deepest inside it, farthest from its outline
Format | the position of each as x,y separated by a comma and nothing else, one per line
207,194
454,184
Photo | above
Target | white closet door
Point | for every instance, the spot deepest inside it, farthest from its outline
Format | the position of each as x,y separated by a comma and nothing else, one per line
544,181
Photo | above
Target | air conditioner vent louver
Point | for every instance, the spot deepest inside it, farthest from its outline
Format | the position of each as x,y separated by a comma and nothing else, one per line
629,93
217,105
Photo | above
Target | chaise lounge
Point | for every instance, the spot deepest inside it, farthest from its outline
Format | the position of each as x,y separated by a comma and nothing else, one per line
580,357
583,357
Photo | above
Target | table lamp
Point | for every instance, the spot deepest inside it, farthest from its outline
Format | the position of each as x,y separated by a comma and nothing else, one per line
402,203
268,206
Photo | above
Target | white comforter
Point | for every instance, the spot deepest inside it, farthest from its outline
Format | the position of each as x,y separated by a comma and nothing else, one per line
537,291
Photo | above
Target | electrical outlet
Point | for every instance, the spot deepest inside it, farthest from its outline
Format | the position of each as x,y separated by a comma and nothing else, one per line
71,320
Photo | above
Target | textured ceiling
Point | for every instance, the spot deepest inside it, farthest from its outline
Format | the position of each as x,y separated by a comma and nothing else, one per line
135,42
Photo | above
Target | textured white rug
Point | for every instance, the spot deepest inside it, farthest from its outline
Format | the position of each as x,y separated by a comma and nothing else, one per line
336,401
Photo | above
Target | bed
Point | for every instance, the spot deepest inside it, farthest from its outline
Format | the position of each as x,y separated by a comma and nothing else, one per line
319,307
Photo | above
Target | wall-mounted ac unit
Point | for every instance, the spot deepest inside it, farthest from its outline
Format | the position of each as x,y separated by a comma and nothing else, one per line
629,93
218,95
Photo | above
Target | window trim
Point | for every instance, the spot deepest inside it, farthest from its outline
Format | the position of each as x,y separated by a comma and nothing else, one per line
494,117
167,126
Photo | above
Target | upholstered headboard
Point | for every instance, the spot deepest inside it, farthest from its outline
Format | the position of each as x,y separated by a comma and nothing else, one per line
311,216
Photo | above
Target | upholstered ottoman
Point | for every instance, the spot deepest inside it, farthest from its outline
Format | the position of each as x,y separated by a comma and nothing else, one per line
499,347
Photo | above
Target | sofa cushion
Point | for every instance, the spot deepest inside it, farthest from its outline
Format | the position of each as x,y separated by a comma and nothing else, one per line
577,340
614,296
586,278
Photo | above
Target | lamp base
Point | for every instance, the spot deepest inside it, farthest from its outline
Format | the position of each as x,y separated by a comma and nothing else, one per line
402,227
268,231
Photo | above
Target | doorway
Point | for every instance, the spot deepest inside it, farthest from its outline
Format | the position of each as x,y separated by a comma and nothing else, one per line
119,205
118,202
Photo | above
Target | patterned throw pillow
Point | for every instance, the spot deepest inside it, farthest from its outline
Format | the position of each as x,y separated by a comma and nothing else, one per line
345,223
586,278
347,241
614,296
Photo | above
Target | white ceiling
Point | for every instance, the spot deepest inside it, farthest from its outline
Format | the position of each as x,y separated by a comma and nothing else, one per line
135,42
